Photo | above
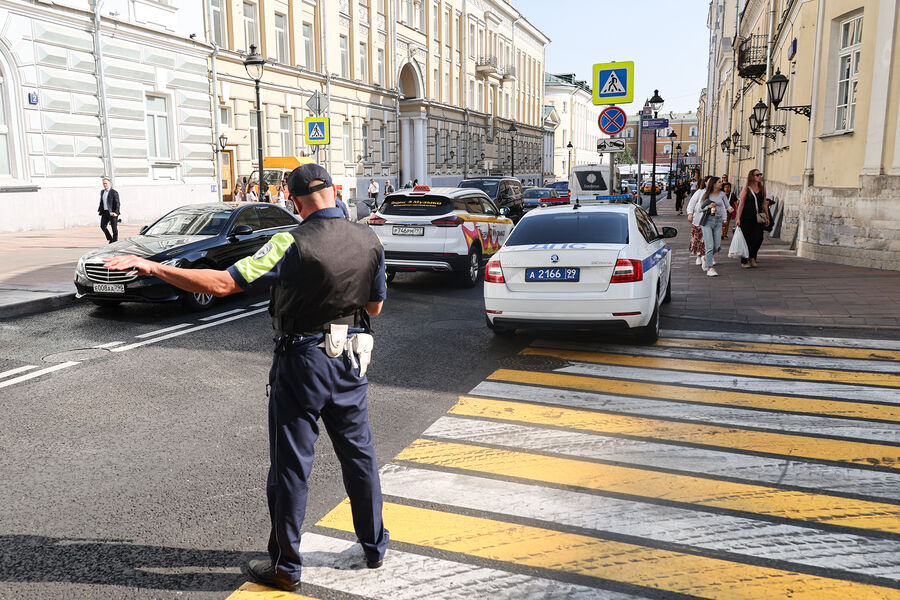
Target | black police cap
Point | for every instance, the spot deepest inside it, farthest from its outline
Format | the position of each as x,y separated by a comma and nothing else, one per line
300,178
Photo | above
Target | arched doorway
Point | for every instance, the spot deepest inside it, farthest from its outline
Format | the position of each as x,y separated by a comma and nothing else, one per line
413,146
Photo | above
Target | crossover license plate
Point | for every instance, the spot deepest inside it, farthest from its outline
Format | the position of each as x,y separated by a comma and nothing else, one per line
553,274
404,230
109,288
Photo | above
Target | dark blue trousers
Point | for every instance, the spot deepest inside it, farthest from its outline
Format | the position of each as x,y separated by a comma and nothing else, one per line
306,384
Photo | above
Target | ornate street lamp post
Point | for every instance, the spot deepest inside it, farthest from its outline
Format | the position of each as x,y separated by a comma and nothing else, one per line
255,64
512,148
656,103
672,137
570,147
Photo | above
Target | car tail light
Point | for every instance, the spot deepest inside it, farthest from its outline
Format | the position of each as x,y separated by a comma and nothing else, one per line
453,221
493,272
627,271
373,220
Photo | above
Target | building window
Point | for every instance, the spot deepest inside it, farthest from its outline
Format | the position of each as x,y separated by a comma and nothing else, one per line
281,54
692,132
380,7
348,143
254,134
629,133
158,127
437,147
410,15
447,87
565,107
225,116
380,54
345,58
434,21
250,27
308,48
435,93
692,149
459,150
287,136
472,39
365,143
447,29
364,62
5,163
848,73
218,22
472,94
382,144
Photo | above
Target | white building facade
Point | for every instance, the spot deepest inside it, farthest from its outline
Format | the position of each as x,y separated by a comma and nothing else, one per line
573,103
148,125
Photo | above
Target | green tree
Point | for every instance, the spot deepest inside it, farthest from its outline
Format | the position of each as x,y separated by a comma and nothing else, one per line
625,158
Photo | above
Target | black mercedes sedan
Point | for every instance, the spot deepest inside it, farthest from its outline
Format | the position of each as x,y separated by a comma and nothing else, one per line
199,236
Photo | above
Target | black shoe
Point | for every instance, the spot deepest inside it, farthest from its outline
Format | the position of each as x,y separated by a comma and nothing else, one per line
374,564
263,572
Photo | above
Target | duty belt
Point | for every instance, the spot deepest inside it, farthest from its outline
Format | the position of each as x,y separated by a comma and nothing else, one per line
284,326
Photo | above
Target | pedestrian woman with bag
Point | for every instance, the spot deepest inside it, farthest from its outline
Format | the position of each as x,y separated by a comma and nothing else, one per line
709,218
753,216
696,246
731,201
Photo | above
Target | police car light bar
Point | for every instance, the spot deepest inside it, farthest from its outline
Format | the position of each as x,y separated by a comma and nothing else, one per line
421,188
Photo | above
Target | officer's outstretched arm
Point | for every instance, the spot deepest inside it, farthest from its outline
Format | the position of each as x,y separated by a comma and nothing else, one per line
200,281
374,308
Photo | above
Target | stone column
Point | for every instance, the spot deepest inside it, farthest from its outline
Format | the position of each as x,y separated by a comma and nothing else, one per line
405,153
420,150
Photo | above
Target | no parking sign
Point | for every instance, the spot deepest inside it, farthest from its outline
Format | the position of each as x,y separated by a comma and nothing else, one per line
612,120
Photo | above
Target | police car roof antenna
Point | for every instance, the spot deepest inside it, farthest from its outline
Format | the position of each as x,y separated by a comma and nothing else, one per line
577,204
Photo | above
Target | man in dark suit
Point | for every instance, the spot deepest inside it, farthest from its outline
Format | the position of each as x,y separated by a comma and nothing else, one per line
109,211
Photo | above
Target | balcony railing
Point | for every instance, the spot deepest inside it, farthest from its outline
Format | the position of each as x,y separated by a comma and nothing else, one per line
752,57
509,72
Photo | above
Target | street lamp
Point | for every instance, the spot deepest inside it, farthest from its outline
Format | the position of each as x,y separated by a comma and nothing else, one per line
777,85
255,64
223,141
678,158
672,137
656,103
570,147
512,148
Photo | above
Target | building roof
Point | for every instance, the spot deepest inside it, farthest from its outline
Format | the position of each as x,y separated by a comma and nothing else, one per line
566,79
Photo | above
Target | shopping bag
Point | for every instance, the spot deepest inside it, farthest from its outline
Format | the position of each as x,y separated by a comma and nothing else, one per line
738,248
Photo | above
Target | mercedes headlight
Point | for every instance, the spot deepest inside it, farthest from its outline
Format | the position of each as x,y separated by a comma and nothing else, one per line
175,262
79,268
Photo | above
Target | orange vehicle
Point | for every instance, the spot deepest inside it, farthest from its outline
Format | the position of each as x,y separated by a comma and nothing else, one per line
275,169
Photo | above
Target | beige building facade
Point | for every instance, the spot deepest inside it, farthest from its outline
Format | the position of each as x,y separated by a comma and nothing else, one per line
415,89
831,151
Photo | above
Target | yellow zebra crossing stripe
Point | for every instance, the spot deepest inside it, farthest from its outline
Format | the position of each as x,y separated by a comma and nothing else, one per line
787,444
759,499
617,561
722,368
792,349
253,591
662,391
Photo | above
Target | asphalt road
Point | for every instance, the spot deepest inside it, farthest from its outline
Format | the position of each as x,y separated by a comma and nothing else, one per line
126,473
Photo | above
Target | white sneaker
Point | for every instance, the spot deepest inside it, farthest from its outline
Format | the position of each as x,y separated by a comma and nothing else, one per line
698,260
711,272
703,264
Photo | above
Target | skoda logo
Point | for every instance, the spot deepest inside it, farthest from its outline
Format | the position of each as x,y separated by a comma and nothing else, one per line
554,258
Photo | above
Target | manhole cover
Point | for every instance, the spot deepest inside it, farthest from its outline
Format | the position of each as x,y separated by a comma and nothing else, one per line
530,362
78,355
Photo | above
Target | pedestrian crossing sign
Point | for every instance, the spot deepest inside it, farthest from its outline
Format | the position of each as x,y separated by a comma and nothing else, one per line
614,82
317,130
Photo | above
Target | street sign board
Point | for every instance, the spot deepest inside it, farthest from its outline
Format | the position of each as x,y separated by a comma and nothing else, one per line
612,120
611,145
317,103
613,82
655,123
316,130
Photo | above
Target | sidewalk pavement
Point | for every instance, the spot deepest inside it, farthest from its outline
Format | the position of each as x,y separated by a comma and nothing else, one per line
783,290
37,268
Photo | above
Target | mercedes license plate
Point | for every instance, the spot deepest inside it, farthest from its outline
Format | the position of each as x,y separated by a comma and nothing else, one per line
109,288
406,230
553,274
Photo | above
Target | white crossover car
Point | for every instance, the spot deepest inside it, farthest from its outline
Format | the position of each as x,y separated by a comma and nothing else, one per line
581,267
447,230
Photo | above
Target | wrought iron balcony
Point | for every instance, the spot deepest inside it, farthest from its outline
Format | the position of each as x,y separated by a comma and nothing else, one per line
752,61
486,64
509,72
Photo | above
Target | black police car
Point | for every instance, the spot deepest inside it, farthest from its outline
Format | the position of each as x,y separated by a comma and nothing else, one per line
506,192
200,236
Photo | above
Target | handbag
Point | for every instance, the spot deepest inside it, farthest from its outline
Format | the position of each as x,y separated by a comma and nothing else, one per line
761,218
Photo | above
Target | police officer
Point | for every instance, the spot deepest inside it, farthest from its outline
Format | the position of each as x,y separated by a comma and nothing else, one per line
326,277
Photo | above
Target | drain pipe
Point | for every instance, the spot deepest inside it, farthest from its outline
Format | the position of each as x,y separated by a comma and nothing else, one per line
769,36
101,96
399,97
214,100
324,14
734,69
468,150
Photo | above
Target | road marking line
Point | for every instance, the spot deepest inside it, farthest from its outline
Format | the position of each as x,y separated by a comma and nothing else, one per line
635,481
160,331
793,349
723,368
223,314
109,345
333,563
661,455
740,357
34,374
702,530
834,391
707,415
785,444
252,591
266,303
782,339
191,330
663,391
592,557
21,369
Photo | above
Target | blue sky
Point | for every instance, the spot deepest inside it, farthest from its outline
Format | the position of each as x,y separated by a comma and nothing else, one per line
667,40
